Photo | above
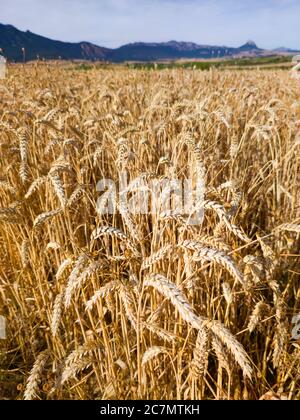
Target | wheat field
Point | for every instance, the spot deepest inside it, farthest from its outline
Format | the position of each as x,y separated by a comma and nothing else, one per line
148,306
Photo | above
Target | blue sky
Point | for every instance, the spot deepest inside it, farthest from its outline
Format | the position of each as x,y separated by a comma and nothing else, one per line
111,23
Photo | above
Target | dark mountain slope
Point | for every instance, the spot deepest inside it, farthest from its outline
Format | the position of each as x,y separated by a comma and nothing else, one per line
12,41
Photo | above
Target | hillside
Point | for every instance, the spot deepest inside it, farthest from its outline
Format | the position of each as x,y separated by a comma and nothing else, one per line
12,41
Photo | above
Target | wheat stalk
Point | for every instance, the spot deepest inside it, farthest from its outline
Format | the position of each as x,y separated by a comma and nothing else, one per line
151,353
202,253
35,376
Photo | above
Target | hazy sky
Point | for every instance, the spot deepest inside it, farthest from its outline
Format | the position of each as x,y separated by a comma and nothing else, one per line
111,23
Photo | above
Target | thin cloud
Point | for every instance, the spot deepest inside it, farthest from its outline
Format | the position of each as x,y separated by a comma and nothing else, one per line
271,23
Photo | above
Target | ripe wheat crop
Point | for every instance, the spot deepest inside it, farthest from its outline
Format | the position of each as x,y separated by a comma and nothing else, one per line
149,306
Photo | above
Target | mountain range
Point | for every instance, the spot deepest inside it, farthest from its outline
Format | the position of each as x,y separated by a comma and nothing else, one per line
18,45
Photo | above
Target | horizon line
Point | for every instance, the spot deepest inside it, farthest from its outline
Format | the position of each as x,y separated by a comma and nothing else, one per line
151,42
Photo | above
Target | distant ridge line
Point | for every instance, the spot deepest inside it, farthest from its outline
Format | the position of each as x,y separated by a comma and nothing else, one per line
19,46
